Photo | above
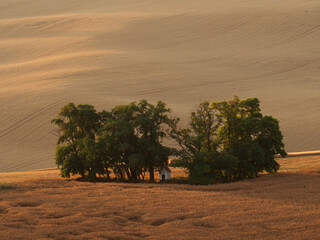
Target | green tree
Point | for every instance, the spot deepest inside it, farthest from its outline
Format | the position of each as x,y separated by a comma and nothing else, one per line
223,141
151,125
200,134
199,147
120,143
77,151
228,140
251,137
132,138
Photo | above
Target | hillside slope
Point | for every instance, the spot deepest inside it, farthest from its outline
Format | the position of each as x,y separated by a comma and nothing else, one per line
182,52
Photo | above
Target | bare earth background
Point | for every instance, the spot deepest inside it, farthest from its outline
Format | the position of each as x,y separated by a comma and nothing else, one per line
182,52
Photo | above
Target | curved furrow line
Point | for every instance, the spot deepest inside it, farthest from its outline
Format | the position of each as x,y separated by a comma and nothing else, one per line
24,119
21,159
209,34
18,161
294,38
206,83
18,166
35,127
300,114
289,69
27,119
46,61
174,88
275,44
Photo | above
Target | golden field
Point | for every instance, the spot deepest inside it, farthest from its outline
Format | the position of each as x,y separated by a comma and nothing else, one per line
108,52
40,205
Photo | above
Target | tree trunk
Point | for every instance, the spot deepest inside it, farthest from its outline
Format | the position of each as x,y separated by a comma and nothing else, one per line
151,171
108,174
120,173
82,174
92,175
133,173
128,173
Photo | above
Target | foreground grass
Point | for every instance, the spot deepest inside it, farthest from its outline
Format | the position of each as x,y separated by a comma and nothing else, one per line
281,206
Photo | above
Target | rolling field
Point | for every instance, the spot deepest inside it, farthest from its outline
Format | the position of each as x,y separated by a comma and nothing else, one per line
109,52
40,205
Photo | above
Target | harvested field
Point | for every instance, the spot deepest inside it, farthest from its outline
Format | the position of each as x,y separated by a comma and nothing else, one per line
281,206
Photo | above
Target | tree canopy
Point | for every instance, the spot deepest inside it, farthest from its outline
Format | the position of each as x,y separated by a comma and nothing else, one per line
76,152
127,141
223,141
229,140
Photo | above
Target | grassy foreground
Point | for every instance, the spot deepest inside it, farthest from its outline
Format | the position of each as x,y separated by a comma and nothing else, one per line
40,205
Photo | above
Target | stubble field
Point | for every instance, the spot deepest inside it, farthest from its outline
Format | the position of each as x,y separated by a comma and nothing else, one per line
40,205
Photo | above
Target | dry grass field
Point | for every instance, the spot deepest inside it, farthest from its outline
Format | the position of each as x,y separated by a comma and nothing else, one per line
40,205
108,52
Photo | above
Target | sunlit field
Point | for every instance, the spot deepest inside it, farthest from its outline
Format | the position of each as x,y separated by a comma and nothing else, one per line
41,205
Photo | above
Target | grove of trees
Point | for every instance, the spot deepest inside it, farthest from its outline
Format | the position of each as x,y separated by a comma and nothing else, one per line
228,140
224,141
126,141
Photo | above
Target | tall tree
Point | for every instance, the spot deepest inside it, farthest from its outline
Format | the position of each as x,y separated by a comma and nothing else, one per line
120,142
151,125
200,152
132,138
228,140
253,138
77,152
200,134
